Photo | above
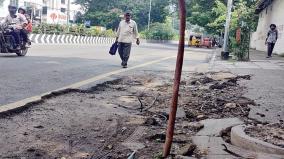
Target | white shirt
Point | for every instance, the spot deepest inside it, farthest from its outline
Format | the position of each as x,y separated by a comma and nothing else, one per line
18,21
127,31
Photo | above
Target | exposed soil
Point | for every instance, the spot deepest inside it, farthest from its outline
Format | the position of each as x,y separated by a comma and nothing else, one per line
115,118
271,133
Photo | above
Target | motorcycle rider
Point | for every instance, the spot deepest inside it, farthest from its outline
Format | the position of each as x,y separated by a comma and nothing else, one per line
18,22
24,32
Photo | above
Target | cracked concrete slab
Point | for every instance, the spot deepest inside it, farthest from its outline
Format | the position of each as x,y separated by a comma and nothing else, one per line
212,127
208,139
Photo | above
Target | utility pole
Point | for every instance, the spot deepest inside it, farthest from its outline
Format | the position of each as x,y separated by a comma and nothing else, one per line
68,12
149,16
225,51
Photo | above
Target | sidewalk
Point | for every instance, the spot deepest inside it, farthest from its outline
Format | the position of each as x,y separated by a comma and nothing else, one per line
260,55
266,86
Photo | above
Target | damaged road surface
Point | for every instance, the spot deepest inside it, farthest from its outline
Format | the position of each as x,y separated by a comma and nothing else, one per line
117,118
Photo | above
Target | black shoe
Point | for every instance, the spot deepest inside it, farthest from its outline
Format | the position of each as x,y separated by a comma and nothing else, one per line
125,66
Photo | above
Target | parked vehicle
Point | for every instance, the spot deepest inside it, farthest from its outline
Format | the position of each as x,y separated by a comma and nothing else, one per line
7,41
207,42
195,40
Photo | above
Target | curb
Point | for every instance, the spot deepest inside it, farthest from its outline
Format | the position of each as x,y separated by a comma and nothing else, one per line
240,139
69,39
78,39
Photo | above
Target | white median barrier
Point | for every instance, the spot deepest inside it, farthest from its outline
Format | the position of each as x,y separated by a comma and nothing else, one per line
68,39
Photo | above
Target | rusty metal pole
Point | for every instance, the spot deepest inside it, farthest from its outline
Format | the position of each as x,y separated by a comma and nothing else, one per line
178,72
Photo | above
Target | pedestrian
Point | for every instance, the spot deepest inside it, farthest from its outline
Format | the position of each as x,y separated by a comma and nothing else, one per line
127,31
271,39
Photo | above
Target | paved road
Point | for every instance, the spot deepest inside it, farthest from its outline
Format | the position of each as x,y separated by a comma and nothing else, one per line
50,67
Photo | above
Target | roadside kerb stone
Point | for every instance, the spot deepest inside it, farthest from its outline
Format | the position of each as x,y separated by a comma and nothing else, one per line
213,127
240,139
244,153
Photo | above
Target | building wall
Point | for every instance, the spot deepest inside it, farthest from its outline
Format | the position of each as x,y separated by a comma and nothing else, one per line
57,7
272,14
54,6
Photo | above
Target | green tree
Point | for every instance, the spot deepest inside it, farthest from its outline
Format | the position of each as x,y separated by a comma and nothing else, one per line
107,13
159,31
211,14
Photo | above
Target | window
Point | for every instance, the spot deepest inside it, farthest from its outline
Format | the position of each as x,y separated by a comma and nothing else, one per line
15,2
62,1
63,10
26,4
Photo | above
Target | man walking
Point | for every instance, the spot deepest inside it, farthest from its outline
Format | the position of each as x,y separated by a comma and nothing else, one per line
271,39
126,32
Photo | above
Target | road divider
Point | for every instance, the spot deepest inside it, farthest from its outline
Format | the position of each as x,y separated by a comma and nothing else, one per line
69,39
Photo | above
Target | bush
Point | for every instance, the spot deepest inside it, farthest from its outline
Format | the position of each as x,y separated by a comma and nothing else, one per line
71,30
159,31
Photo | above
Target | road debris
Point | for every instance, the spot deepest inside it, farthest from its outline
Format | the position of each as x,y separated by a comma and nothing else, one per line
106,120
187,150
271,133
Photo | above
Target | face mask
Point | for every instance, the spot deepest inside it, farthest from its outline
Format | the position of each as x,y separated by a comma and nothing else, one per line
273,28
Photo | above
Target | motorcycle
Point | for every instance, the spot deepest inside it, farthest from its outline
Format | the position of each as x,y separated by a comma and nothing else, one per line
7,41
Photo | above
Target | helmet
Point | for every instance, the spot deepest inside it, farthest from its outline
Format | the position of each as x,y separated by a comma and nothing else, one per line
12,9
23,9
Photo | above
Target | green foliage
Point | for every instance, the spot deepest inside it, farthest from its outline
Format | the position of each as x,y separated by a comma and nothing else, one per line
107,13
159,31
244,18
211,14
73,30
158,155
241,49
219,12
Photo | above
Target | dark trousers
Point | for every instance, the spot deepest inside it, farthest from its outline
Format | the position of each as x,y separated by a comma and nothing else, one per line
270,47
124,52
16,34
24,35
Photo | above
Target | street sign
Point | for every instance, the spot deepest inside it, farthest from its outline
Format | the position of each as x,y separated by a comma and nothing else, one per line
56,17
238,35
